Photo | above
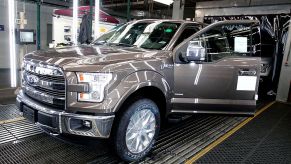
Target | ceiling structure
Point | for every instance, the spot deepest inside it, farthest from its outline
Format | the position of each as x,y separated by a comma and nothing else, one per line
151,8
139,4
57,3
135,4
139,8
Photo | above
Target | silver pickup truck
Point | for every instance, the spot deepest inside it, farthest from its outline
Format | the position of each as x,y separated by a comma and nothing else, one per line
125,85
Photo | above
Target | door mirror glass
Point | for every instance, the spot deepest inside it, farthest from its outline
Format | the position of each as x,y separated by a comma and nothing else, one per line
195,51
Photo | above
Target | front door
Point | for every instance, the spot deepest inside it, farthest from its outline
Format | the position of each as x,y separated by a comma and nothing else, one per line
225,78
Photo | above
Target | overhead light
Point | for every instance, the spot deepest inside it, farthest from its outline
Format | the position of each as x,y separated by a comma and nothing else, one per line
75,22
11,15
96,26
166,2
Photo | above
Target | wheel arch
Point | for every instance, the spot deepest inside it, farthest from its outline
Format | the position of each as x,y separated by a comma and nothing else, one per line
149,92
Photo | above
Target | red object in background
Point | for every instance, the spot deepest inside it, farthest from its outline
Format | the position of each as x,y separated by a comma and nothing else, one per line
104,17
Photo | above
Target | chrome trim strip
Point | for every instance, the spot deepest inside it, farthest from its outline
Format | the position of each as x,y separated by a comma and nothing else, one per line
60,125
49,85
210,112
212,101
41,96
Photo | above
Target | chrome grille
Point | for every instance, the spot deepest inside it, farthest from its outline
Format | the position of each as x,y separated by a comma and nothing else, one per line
58,79
44,83
50,92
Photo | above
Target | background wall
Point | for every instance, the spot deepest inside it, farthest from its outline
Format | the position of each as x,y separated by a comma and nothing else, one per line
4,35
241,7
60,22
30,9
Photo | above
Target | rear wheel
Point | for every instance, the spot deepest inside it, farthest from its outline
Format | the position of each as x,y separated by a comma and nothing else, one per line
137,130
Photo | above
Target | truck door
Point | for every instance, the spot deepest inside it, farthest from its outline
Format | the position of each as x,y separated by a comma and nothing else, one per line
216,71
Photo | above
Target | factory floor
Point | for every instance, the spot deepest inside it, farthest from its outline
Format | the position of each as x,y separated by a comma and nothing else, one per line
264,138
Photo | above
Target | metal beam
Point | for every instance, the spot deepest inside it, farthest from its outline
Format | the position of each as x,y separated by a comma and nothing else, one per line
38,25
97,19
91,15
75,22
128,10
58,3
122,4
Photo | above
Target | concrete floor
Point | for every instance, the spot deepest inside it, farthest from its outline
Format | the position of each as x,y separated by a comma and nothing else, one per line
4,78
7,94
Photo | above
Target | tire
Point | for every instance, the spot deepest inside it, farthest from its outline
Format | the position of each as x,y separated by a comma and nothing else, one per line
127,124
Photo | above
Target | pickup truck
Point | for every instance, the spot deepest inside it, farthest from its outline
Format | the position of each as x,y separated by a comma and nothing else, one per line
129,81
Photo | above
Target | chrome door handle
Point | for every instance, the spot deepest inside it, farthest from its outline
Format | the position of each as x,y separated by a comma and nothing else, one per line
247,72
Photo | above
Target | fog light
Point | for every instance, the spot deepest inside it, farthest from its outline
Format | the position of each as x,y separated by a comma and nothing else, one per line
80,125
87,123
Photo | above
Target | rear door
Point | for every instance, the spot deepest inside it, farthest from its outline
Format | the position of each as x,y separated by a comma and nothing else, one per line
227,80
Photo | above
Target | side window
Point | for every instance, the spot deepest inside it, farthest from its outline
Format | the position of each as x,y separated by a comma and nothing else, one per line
215,43
243,40
188,31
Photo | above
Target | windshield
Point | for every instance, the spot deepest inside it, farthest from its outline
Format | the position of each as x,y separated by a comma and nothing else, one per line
148,35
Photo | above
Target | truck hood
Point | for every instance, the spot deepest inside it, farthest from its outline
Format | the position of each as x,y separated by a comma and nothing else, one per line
79,56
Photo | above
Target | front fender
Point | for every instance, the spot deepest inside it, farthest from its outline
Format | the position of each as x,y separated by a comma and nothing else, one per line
136,81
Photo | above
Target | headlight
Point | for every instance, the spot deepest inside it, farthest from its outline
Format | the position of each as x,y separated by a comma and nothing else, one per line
96,82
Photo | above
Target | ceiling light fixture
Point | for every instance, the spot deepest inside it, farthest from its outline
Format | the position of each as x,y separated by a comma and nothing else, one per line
166,2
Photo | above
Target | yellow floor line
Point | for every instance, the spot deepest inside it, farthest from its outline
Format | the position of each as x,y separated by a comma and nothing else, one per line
221,139
12,120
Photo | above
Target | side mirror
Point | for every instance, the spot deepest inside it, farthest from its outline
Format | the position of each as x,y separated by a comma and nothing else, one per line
195,51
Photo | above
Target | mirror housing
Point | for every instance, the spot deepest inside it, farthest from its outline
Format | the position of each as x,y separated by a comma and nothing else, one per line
195,51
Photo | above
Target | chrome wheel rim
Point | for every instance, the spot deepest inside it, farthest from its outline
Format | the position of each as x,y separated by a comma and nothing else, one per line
140,131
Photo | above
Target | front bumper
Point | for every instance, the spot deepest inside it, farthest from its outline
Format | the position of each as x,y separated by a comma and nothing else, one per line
61,122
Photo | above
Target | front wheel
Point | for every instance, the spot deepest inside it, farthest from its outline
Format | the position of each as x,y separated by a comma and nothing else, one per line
137,130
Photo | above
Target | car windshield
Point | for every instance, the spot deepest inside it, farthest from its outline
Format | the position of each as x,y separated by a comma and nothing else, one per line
147,35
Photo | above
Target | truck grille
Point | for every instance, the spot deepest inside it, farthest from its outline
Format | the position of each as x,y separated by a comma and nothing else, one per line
44,83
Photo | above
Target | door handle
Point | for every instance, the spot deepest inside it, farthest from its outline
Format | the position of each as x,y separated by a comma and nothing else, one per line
246,72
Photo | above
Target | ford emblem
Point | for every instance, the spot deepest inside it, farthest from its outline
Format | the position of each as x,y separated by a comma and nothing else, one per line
32,80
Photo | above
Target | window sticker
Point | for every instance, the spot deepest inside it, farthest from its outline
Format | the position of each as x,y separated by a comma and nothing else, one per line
241,44
246,83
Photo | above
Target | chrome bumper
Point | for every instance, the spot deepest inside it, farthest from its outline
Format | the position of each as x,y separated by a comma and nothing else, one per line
100,125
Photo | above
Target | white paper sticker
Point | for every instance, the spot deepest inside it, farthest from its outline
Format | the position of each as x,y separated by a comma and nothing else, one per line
246,83
241,44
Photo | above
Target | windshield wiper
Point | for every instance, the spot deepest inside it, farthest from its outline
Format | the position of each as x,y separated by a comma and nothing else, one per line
122,44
